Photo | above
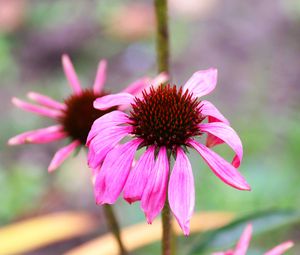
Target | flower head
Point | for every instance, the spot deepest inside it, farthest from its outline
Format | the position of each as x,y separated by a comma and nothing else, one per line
165,121
243,244
75,116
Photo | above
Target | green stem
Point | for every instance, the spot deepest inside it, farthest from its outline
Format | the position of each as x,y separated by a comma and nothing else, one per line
167,237
162,49
162,37
114,227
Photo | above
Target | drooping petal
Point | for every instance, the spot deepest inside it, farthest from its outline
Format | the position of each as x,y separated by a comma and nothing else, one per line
106,121
221,168
214,115
139,176
181,191
37,136
202,82
137,86
100,77
212,141
40,110
243,244
106,102
71,74
101,144
62,154
113,174
46,101
226,134
154,196
280,249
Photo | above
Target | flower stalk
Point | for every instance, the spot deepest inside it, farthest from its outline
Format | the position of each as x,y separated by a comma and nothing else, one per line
114,227
162,49
162,36
167,236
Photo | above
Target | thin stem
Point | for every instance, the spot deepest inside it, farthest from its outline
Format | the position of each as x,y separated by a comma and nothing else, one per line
162,37
114,227
162,49
167,230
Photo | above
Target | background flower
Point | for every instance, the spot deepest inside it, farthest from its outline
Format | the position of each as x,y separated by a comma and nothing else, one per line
75,116
243,244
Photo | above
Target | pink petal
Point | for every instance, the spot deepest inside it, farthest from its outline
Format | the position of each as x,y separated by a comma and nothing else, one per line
113,174
21,138
213,114
100,76
106,121
160,79
226,134
212,141
138,176
46,101
46,138
71,74
281,248
46,135
106,102
243,244
40,134
62,154
209,110
223,253
221,168
101,144
154,196
157,81
137,86
202,82
181,191
40,110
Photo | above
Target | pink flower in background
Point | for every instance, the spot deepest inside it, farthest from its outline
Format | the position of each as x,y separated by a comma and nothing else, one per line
75,116
243,243
165,121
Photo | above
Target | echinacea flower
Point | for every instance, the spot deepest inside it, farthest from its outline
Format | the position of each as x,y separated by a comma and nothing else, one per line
165,121
243,244
75,116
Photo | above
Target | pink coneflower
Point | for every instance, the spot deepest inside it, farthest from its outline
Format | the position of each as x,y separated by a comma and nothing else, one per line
75,116
165,121
243,243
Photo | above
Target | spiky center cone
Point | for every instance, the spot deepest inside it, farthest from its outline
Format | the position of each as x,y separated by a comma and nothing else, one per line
80,114
166,116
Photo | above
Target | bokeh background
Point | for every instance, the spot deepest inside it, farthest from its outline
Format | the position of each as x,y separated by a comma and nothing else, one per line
254,44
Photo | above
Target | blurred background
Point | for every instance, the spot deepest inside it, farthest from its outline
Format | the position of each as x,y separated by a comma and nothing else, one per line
254,44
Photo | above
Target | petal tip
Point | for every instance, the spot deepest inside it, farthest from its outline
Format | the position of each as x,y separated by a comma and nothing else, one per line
13,141
16,101
65,57
51,168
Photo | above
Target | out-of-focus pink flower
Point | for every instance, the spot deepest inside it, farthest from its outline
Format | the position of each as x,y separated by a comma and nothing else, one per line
243,244
76,115
165,121
132,21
